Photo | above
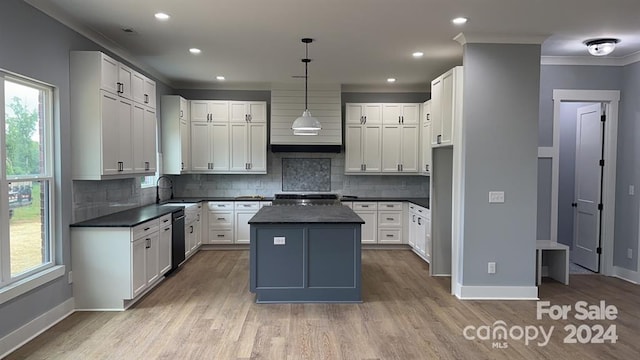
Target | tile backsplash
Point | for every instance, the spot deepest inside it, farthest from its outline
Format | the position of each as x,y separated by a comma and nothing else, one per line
305,174
97,198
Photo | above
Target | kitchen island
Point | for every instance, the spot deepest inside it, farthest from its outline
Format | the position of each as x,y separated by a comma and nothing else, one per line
305,254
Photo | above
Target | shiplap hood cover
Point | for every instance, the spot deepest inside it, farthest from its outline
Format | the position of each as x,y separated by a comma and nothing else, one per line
287,103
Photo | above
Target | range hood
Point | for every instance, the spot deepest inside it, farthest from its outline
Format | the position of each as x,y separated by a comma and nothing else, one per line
287,103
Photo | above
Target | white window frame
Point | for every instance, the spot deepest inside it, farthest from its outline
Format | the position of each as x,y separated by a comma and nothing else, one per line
45,272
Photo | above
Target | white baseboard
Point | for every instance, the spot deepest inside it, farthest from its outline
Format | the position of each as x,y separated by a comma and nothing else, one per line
35,327
626,274
496,292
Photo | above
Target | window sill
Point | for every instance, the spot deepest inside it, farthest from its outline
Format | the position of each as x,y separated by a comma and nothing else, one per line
29,283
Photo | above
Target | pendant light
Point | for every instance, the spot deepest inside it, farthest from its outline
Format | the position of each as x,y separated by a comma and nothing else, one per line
306,124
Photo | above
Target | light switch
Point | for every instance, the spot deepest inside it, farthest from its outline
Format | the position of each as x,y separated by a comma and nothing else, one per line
496,197
279,240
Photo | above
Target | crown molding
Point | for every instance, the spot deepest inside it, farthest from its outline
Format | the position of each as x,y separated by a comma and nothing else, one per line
591,60
480,38
51,10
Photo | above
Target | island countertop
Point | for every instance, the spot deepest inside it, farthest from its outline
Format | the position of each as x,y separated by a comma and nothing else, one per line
292,214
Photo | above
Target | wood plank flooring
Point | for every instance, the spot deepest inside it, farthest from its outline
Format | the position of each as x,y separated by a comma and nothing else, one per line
205,311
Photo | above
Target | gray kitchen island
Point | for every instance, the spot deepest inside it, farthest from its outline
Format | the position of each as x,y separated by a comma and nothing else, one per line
305,254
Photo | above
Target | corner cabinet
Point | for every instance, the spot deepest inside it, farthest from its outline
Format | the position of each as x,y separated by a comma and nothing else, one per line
115,130
381,138
176,135
446,105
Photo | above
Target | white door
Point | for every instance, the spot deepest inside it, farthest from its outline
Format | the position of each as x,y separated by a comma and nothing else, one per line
369,229
238,136
110,126
164,250
149,138
138,266
391,148
185,145
588,174
372,148
125,146
242,233
137,126
153,258
199,111
409,148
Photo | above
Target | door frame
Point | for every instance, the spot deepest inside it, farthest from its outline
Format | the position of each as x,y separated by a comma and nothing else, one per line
611,99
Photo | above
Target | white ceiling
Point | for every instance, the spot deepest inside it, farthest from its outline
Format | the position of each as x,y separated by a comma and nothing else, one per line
358,43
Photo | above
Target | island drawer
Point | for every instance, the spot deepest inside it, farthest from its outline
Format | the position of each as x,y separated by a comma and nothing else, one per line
364,205
220,205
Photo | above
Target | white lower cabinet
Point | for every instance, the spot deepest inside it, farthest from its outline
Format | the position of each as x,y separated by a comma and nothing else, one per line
220,221
390,222
368,211
113,266
244,210
420,231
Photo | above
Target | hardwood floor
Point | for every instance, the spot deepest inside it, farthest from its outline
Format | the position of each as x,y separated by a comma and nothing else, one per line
205,311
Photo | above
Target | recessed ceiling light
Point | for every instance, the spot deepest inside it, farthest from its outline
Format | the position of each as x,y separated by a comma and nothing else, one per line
220,77
162,16
460,20
391,80
418,54
195,51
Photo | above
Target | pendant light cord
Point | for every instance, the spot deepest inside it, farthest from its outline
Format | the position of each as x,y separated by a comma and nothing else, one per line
306,75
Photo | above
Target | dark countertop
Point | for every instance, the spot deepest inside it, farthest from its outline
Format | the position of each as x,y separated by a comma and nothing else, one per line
129,218
305,214
424,202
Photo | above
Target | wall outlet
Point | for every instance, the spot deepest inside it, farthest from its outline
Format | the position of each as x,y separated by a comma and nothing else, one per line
491,268
279,240
629,253
496,197
70,277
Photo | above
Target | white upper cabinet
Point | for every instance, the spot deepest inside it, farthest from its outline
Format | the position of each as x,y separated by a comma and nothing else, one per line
446,106
401,114
365,113
143,90
425,139
103,111
371,147
229,137
176,135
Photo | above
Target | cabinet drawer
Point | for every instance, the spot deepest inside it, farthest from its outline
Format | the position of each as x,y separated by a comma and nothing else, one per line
389,236
220,219
220,205
390,206
247,205
389,218
362,205
217,236
164,221
144,229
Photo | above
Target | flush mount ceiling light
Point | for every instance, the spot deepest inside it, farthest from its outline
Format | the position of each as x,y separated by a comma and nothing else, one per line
391,80
601,47
220,77
195,51
306,124
418,54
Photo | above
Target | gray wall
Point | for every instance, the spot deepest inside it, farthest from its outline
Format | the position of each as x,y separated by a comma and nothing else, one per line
628,169
36,46
500,154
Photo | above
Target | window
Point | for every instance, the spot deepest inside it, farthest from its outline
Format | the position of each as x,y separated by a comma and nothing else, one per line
26,178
